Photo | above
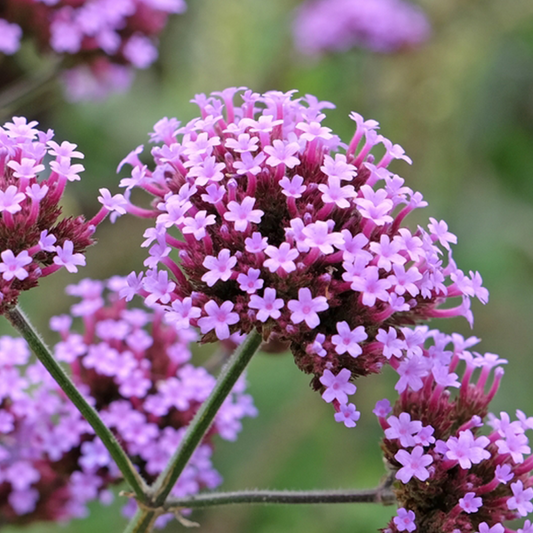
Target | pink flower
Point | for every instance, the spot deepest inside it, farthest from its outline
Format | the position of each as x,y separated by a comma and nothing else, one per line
306,308
337,386
413,464
218,318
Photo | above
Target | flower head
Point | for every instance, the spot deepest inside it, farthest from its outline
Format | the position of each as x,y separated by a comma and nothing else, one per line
380,25
34,239
450,475
305,240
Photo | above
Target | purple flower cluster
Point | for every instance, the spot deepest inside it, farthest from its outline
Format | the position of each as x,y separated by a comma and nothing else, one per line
105,38
279,230
40,437
450,476
337,25
34,241
136,371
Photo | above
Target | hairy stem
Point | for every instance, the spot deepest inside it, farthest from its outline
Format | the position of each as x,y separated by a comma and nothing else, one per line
204,417
143,521
20,322
378,495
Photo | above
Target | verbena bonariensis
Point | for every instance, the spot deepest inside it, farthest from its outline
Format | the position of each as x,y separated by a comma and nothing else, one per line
103,39
40,437
278,229
452,474
136,371
385,26
34,240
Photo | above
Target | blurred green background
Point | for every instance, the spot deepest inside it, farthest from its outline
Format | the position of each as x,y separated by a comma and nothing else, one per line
461,106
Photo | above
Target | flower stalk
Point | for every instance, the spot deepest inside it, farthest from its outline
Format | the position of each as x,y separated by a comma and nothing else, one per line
377,495
21,323
205,416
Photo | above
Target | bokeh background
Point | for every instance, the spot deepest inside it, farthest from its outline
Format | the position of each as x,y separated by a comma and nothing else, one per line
462,107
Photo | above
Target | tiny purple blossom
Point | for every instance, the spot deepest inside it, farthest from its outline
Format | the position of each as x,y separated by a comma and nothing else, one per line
503,473
64,168
65,257
466,449
470,503
10,35
256,243
197,225
249,164
335,193
244,143
13,267
306,308
268,306
337,386
425,436
116,203
485,528
27,168
10,199
403,428
250,282
65,149
515,444
293,187
411,372
348,415
282,153
521,499
338,167
243,214
218,318
156,283
347,340
382,408
219,268
413,464
371,286
392,345
318,235
405,520
182,312
528,527
282,257
140,51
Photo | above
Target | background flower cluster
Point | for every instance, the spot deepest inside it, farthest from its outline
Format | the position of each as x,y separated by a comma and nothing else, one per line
101,40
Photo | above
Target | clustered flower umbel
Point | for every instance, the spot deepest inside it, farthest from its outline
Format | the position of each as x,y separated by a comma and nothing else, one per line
34,240
384,26
283,232
453,475
136,371
103,39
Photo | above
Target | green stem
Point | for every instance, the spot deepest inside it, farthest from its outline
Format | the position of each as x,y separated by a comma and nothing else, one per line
20,322
378,495
204,417
142,521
